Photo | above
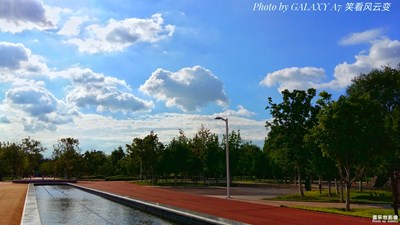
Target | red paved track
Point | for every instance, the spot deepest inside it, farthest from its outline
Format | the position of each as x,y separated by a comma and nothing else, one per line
251,213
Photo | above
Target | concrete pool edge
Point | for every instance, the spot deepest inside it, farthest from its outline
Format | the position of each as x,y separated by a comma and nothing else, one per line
177,215
30,215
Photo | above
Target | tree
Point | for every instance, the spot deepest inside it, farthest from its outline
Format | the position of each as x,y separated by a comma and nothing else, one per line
349,132
292,119
94,162
66,155
176,156
116,161
235,143
33,150
13,159
383,87
207,155
248,159
147,152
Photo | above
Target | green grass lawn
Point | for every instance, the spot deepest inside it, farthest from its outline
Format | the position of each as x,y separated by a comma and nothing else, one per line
367,196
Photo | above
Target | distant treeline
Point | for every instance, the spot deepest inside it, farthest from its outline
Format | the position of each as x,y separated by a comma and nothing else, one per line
198,158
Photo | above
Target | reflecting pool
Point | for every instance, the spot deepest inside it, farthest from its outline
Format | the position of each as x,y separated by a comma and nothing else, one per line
62,204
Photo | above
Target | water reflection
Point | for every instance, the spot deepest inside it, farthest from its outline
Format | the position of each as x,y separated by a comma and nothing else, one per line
61,204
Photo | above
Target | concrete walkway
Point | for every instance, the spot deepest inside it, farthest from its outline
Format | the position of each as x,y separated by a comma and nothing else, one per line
246,212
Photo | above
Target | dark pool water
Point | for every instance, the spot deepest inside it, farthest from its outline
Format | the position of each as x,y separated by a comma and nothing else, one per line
61,204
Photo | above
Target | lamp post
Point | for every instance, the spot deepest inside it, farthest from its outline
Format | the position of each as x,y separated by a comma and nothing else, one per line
227,157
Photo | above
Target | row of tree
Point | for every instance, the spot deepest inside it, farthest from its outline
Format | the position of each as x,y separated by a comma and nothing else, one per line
199,158
357,132
20,159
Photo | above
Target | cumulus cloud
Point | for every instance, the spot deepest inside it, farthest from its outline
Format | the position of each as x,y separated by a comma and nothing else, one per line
361,37
17,61
294,78
12,55
72,26
188,89
19,15
103,92
120,34
382,52
42,109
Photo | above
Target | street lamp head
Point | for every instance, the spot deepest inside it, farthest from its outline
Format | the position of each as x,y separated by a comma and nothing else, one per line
219,118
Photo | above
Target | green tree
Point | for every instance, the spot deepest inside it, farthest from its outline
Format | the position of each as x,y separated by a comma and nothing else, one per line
292,120
94,162
66,155
13,159
248,159
207,155
146,152
382,87
48,168
350,133
116,161
33,150
235,144
176,156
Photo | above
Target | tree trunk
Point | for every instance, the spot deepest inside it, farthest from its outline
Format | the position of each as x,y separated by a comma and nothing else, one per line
348,186
360,185
341,191
336,186
329,188
300,184
320,186
141,169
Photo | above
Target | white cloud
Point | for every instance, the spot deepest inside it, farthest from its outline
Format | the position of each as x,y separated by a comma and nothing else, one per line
103,92
17,62
38,108
361,37
118,35
95,129
20,68
12,55
294,78
19,15
4,119
72,26
382,52
188,89
240,112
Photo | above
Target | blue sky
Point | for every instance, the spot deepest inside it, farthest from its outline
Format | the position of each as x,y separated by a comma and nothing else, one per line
108,71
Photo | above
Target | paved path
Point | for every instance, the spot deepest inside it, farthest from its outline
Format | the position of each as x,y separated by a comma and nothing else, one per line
12,200
259,194
246,212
